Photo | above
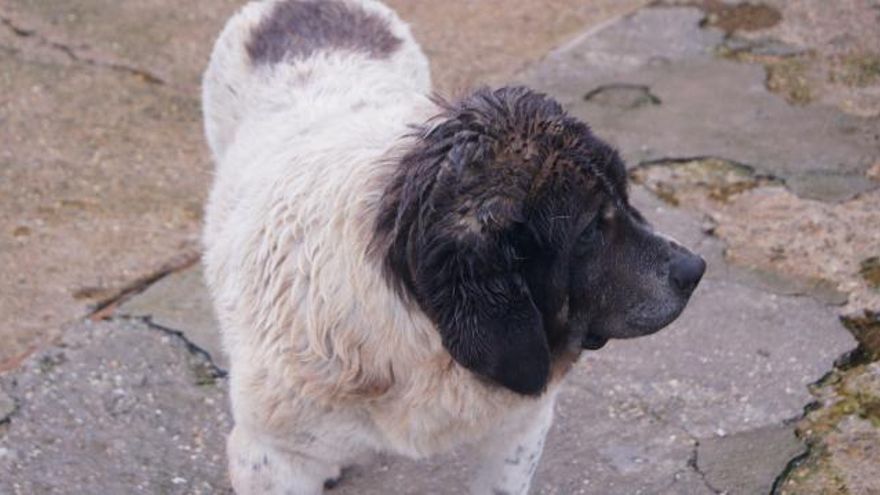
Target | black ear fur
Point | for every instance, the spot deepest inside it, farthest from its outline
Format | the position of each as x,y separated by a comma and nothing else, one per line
485,313
444,230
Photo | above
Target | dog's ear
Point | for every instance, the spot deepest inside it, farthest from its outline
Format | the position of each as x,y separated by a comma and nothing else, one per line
483,309
446,225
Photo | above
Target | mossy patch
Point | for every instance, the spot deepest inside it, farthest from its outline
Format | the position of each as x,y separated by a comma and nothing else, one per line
731,17
813,476
843,396
788,67
758,50
869,269
789,78
858,70
864,406
716,178
866,330
738,17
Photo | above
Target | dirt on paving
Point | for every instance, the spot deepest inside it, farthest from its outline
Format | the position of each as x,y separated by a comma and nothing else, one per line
103,171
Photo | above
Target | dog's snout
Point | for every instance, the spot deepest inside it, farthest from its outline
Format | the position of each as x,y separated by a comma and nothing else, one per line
685,271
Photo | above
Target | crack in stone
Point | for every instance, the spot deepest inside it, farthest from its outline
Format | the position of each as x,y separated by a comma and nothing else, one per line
790,466
693,463
204,376
103,309
694,458
79,58
18,31
214,371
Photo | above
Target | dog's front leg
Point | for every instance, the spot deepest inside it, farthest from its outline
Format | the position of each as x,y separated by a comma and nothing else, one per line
510,453
257,466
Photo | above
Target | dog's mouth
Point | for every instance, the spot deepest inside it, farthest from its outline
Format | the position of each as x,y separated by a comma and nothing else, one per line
593,342
652,318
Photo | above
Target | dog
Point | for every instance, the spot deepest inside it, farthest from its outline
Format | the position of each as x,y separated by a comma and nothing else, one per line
396,272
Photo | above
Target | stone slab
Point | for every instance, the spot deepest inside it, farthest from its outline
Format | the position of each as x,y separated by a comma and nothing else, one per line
115,408
748,463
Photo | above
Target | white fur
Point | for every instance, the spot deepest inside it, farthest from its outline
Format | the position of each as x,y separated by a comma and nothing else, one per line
327,362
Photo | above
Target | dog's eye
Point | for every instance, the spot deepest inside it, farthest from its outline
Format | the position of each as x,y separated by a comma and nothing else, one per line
523,244
590,238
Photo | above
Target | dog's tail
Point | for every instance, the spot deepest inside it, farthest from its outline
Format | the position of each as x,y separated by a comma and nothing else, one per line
285,54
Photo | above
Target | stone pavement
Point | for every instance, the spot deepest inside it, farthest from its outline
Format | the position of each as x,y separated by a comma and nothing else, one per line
710,405
115,408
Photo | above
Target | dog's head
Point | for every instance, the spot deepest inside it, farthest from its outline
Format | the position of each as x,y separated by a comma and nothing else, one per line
509,224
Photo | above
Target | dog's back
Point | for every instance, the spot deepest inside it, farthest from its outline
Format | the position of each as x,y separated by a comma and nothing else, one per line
308,58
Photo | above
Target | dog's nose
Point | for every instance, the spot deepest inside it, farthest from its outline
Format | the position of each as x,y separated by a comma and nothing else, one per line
685,270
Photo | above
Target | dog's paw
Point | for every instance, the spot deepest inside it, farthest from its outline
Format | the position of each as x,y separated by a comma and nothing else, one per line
331,483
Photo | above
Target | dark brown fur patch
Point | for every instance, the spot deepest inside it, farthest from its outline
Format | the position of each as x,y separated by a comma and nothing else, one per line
485,194
296,29
511,145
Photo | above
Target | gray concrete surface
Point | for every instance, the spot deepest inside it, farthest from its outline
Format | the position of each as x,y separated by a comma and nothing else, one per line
748,451
124,406
115,408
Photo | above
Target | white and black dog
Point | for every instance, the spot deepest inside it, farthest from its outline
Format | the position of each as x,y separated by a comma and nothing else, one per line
396,273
